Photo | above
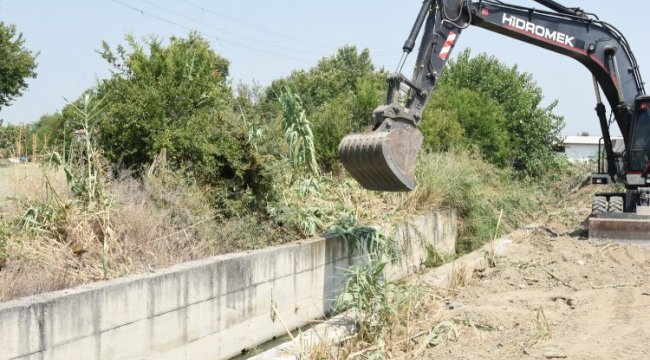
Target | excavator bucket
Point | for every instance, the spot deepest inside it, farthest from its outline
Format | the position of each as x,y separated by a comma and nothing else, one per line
383,160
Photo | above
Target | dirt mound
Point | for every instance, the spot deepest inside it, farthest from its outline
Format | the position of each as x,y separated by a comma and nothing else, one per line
554,297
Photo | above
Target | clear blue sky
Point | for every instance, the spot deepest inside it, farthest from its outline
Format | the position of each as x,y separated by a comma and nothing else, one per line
267,39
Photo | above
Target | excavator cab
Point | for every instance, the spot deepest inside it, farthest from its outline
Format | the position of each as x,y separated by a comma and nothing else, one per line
625,217
639,153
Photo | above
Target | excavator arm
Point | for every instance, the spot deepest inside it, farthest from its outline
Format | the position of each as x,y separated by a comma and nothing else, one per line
385,159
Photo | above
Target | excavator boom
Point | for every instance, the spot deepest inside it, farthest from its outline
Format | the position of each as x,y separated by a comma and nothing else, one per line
385,159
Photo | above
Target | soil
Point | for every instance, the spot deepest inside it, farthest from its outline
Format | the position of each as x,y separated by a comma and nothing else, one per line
553,296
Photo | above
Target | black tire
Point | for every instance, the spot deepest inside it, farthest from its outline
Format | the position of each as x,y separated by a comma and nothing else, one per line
616,205
600,206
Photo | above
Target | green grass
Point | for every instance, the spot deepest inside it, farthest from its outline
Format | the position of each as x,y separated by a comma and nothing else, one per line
478,191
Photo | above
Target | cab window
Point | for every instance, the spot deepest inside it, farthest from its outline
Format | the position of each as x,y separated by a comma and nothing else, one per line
640,151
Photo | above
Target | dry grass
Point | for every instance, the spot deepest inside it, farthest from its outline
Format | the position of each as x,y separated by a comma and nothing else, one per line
153,224
160,221
543,328
460,277
416,326
26,181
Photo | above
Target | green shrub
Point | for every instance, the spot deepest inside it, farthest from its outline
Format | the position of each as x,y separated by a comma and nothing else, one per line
442,131
459,117
176,100
331,123
533,129
478,191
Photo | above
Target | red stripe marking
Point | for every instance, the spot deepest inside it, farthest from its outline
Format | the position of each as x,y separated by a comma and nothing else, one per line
446,48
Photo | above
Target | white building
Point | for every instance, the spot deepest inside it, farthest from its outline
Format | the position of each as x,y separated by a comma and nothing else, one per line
585,148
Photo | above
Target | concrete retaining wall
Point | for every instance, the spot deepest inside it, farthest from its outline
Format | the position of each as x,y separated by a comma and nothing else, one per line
209,309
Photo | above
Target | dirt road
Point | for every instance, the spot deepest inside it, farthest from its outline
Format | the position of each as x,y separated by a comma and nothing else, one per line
553,297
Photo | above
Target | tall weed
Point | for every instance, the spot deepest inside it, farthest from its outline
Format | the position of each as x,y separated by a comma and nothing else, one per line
478,191
3,243
374,301
298,133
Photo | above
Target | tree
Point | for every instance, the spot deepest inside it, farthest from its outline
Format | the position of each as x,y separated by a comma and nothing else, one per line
162,97
533,129
11,136
176,98
460,117
442,130
50,130
339,95
17,64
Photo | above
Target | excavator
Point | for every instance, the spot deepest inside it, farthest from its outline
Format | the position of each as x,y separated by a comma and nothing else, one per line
385,159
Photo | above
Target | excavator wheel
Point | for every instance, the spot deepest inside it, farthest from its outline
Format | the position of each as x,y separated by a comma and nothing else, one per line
616,205
599,206
609,222
383,160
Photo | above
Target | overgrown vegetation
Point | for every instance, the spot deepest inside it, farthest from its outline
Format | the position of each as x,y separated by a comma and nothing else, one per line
165,161
374,301
380,307
175,100
389,315
479,192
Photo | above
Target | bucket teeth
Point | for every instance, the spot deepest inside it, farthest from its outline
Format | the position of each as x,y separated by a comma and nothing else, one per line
383,160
